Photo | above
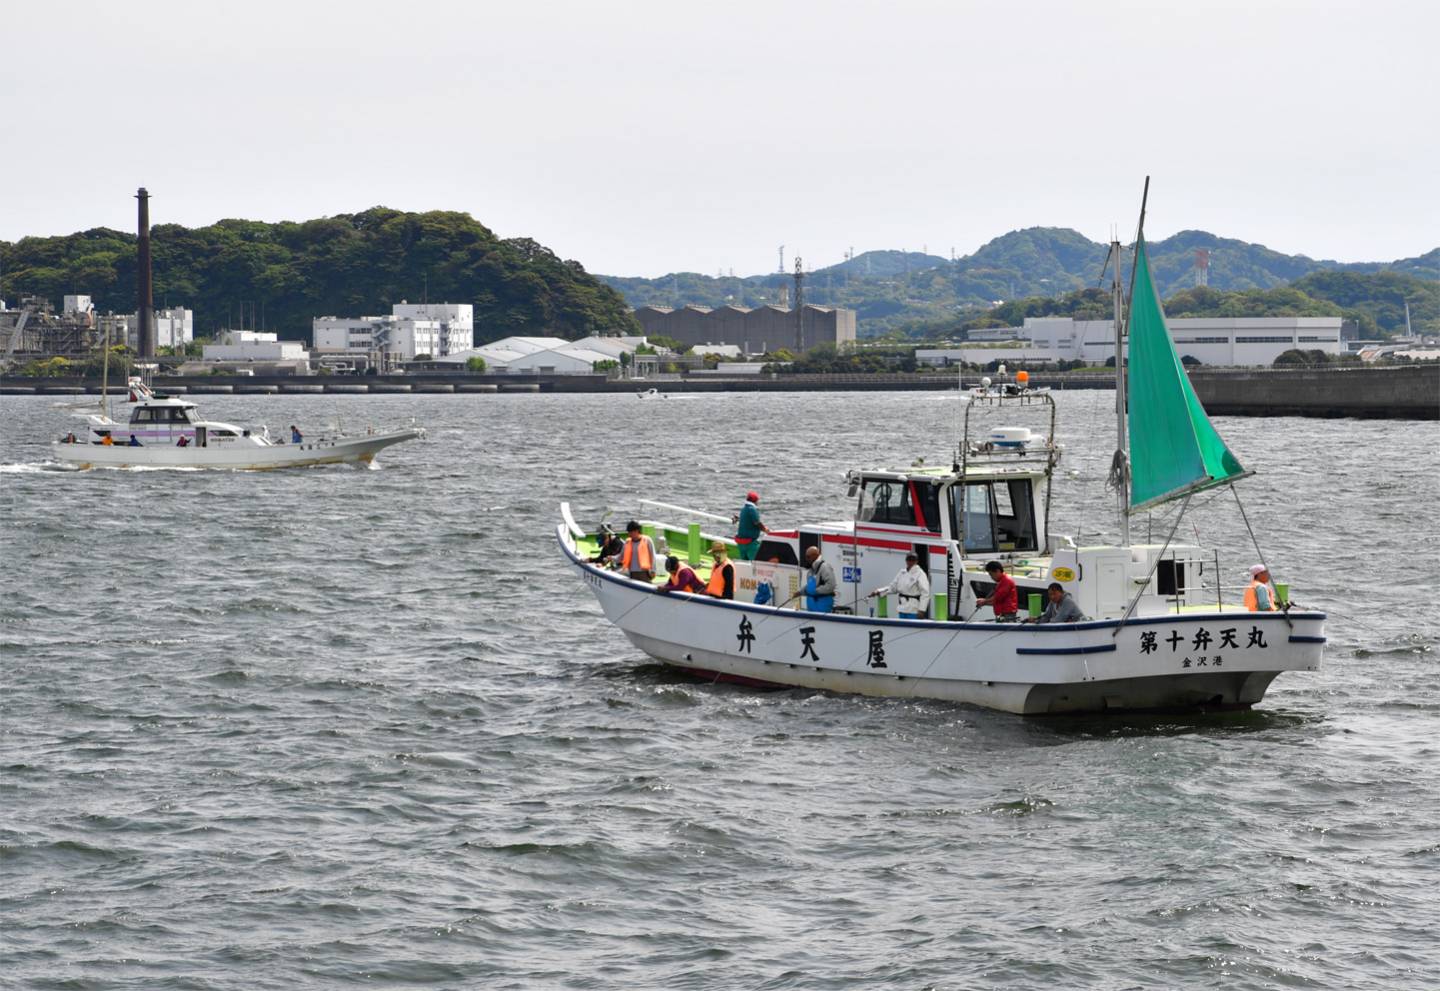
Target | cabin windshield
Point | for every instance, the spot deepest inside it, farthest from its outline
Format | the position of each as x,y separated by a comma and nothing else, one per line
886,501
995,516
160,414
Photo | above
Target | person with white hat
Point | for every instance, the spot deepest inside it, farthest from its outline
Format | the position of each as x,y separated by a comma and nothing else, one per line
1259,597
911,587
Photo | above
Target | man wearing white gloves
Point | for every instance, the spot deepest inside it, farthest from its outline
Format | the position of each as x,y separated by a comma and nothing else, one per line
911,587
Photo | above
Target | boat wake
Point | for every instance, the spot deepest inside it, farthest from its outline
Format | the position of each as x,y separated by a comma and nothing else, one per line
35,467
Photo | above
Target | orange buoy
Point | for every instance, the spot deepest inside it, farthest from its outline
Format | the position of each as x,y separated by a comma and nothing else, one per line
1022,377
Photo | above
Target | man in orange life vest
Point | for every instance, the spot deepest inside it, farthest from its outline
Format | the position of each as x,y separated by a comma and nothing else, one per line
637,559
1258,597
722,576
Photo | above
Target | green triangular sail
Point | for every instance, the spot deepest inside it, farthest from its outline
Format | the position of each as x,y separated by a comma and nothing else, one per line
1174,449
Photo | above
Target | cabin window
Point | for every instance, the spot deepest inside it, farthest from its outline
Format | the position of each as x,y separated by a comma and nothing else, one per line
885,501
222,433
143,415
996,516
178,414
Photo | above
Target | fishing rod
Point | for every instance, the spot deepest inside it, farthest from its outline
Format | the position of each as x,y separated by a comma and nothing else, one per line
686,509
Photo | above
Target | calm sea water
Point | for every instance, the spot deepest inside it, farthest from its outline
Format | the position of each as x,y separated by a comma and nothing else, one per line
358,727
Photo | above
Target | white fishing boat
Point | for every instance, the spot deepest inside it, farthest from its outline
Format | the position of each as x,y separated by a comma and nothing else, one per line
164,431
1159,633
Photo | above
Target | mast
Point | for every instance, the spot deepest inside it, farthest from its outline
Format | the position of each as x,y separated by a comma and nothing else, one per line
105,375
1122,454
1122,486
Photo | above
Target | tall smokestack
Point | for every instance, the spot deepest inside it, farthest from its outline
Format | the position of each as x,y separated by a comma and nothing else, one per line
145,296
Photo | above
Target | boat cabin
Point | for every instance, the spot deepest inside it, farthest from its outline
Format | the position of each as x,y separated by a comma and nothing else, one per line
166,420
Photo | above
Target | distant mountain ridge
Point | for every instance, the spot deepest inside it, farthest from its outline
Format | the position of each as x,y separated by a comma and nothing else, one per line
892,289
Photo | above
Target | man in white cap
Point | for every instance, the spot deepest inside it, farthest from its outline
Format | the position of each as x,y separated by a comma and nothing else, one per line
1259,597
911,587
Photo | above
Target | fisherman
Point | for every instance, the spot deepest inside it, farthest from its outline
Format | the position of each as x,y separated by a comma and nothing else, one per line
1259,597
135,441
682,578
1060,609
1005,600
749,528
295,435
722,575
637,558
610,547
107,440
911,587
820,585
183,441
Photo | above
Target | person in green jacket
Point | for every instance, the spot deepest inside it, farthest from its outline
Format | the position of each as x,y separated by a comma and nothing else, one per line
749,529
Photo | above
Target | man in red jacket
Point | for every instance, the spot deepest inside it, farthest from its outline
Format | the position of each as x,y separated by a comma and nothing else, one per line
1005,600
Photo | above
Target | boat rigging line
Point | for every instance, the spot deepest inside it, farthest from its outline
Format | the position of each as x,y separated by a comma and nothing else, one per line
1259,553
1153,565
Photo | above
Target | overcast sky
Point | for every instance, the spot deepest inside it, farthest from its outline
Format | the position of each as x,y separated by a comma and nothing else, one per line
646,138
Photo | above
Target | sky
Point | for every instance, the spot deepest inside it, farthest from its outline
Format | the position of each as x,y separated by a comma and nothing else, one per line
646,138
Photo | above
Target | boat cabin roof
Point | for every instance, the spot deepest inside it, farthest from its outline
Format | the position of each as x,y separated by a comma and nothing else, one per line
973,473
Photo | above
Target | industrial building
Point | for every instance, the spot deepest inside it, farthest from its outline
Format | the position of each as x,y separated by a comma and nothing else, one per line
756,331
173,327
251,345
547,355
411,329
1231,341
35,330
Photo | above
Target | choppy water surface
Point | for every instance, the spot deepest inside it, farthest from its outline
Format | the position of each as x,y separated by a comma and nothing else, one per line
358,727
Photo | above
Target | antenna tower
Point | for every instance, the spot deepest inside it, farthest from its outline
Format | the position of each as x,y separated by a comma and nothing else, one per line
1202,267
782,260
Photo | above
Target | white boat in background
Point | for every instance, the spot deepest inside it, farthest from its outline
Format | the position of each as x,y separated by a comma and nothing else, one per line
168,432
1160,633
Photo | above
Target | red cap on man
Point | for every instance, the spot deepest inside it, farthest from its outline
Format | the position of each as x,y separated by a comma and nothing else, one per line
752,496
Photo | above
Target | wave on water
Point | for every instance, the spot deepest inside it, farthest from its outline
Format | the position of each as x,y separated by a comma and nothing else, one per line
357,728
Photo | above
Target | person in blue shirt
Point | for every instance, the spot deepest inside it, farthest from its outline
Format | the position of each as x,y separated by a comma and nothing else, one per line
820,583
295,435
749,528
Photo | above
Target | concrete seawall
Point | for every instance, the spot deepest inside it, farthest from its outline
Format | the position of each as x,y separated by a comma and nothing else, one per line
1407,392
1393,391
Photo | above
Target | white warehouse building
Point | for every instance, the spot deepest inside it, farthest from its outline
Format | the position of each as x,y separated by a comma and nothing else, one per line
253,345
548,355
436,329
1234,341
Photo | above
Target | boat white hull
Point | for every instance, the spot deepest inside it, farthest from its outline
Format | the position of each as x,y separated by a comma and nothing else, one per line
1189,661
233,456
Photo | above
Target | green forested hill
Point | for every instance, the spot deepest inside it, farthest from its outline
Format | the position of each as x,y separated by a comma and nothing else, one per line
1025,265
1381,296
347,265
